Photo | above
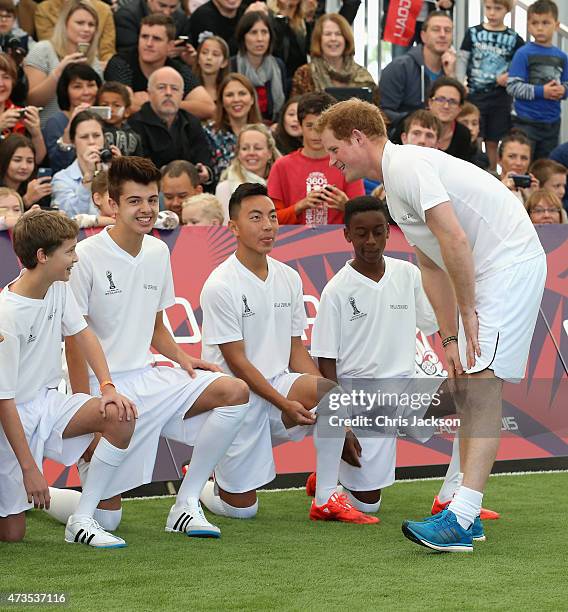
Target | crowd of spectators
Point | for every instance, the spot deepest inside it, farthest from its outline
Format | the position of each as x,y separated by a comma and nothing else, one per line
230,93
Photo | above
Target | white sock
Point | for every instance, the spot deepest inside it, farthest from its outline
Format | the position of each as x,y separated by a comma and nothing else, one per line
214,439
451,481
108,519
211,500
106,459
63,504
466,506
329,447
362,506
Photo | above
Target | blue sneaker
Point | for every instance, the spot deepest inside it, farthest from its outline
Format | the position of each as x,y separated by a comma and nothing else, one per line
477,532
441,532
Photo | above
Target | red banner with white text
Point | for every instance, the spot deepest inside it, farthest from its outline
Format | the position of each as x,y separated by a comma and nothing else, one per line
400,23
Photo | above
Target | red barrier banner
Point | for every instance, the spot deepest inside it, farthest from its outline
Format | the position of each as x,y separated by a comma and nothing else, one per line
401,21
535,416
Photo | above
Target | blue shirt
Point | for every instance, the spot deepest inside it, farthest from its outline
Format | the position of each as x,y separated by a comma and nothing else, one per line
69,193
533,66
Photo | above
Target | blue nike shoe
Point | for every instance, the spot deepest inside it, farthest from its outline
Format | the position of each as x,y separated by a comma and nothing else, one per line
477,531
441,532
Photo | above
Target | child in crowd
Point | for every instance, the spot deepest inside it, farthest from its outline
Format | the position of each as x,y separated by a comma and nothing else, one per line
212,64
202,209
551,176
11,208
538,80
106,214
470,116
486,52
116,129
422,128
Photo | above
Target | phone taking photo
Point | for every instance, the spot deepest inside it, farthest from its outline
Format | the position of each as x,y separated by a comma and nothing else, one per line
104,112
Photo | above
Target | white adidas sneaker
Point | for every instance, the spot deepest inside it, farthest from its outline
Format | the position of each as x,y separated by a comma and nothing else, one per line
189,519
85,530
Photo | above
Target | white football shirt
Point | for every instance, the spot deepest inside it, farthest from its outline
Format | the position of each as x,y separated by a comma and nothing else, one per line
497,226
237,305
121,295
369,328
32,330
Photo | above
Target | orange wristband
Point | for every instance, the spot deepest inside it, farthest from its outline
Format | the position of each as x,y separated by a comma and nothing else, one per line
106,383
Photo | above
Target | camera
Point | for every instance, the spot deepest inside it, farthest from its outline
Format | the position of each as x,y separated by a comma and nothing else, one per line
522,181
12,45
106,156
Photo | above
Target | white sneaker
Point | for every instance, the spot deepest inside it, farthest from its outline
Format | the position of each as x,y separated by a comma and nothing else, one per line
85,530
189,519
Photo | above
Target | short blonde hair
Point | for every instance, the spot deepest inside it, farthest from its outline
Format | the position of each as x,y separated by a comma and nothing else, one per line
346,32
508,4
7,192
344,117
59,37
208,203
536,197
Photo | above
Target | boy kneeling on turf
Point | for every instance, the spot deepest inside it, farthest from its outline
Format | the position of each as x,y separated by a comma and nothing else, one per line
36,310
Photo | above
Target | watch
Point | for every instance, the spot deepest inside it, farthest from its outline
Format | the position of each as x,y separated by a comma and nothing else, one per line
63,146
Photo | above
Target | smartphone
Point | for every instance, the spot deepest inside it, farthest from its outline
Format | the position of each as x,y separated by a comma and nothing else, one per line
44,172
22,112
83,47
522,181
104,112
181,40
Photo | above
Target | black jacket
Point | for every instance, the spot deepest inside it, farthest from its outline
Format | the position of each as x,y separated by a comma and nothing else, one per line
158,141
404,86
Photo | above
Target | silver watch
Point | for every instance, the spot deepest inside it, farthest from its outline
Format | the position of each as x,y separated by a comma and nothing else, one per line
63,146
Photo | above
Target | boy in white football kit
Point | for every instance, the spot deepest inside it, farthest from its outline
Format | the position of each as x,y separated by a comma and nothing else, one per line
365,329
253,320
37,421
480,257
123,283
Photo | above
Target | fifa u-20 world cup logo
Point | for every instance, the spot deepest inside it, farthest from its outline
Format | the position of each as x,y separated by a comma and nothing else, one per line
247,309
354,306
112,286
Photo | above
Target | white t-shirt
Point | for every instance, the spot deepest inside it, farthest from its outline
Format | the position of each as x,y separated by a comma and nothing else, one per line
237,305
496,224
30,354
369,328
121,295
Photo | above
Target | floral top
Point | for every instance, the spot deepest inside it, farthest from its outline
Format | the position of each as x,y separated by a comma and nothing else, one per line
222,144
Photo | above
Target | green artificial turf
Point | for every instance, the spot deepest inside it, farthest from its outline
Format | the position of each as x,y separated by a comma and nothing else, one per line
281,560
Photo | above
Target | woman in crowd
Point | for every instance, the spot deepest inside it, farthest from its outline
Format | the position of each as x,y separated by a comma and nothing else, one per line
445,101
18,169
288,132
332,64
72,186
254,59
236,106
74,40
76,90
212,64
290,34
13,119
255,154
514,157
545,207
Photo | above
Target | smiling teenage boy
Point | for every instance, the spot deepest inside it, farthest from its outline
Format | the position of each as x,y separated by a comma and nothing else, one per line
123,285
253,320
37,421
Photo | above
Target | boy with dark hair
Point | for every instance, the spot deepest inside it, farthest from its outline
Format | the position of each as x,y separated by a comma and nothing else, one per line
180,180
253,321
538,80
422,129
123,285
37,421
116,129
304,189
486,52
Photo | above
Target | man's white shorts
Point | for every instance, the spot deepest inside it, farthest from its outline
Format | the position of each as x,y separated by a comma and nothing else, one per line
507,305
162,395
249,463
44,420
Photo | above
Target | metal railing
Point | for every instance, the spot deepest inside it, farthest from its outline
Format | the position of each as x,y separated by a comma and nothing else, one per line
375,54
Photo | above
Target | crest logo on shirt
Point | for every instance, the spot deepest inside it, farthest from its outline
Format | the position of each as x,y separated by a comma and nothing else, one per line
247,312
357,314
31,337
111,286
51,315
